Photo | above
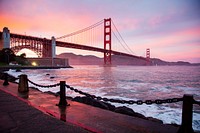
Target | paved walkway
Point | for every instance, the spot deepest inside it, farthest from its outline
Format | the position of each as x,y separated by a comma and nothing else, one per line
17,116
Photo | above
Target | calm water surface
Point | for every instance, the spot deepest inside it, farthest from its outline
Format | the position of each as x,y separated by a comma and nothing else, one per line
130,82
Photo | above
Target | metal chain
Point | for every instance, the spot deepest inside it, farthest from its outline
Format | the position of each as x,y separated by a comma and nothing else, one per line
196,102
44,86
138,102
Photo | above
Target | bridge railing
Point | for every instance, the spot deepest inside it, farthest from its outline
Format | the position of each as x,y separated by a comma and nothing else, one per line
187,107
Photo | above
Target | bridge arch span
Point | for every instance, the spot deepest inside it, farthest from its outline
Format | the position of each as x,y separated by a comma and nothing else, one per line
16,49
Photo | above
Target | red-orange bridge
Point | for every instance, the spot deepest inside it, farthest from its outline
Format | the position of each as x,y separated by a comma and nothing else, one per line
46,47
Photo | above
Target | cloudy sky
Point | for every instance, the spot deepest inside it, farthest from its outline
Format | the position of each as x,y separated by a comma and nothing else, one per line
170,28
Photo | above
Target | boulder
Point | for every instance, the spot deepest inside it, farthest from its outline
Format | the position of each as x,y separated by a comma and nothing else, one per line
100,104
78,99
90,101
155,120
110,106
18,70
124,110
128,111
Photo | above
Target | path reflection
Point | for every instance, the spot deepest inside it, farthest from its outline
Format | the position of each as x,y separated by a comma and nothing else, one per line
62,113
24,95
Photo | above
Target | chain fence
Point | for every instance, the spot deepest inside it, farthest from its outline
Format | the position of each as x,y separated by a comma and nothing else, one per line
138,102
44,86
196,102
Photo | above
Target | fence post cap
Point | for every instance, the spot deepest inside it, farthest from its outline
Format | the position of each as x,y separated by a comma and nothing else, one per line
188,96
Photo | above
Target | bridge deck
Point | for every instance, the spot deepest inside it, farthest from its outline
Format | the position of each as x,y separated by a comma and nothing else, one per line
71,45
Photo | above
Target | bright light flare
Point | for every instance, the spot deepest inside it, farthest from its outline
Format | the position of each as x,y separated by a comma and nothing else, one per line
34,64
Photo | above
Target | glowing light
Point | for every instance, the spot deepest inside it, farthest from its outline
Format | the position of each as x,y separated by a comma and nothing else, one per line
34,64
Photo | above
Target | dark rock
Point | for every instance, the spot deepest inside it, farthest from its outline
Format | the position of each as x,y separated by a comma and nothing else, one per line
139,115
87,100
34,88
91,101
100,104
57,93
68,97
128,111
52,77
174,124
77,99
5,79
47,74
18,70
110,106
155,120
124,110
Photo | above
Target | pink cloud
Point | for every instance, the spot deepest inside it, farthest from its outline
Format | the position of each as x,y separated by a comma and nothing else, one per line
183,44
129,24
176,38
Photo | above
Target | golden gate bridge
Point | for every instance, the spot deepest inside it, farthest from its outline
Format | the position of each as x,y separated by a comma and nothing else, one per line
106,40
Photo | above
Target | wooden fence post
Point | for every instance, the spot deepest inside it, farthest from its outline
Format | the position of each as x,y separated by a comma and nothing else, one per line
187,109
23,83
63,101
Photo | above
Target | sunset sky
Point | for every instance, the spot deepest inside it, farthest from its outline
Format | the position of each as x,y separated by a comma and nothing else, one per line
170,28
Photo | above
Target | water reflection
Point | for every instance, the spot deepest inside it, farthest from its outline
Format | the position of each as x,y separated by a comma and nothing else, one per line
109,80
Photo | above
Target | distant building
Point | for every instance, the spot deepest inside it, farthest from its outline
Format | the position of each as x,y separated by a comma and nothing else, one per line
49,62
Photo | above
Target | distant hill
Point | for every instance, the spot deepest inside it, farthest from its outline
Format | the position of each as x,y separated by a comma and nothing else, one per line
80,59
116,60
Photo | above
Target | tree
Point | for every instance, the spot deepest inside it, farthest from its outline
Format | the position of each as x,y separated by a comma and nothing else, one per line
23,55
7,55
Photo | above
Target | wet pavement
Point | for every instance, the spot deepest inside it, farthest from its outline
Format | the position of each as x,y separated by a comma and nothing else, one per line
17,116
36,112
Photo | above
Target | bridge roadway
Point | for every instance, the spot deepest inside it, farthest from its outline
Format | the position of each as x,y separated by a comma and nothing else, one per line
72,45
78,117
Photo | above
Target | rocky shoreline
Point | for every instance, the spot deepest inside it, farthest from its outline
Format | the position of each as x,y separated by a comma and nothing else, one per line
107,106
122,109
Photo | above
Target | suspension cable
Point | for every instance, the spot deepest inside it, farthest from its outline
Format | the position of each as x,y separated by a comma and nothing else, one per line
122,38
82,30
118,40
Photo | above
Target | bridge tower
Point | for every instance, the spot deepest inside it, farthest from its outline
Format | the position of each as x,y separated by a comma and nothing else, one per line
53,43
6,37
147,56
107,42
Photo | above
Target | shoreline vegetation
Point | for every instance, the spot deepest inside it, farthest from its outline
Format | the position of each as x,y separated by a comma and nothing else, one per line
95,103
